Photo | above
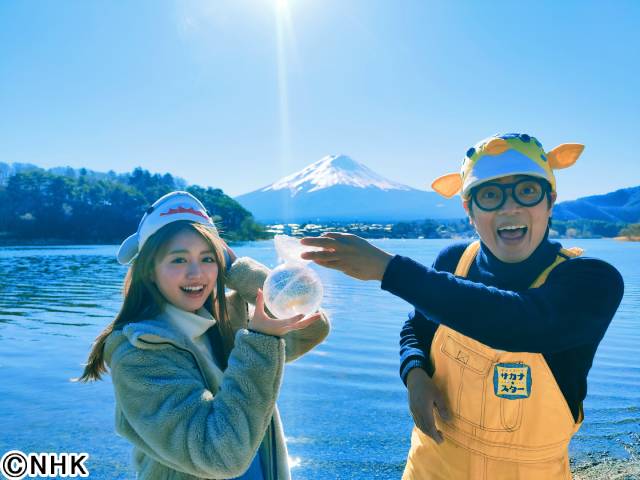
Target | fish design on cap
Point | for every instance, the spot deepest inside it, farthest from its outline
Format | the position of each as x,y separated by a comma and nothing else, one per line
173,211
503,155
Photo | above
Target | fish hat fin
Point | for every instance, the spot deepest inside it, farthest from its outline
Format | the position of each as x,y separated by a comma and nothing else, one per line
495,146
564,155
447,185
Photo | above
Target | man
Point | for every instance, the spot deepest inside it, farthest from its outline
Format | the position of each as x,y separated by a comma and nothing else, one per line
496,354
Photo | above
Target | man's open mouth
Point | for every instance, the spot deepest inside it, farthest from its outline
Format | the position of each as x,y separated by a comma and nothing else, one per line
512,232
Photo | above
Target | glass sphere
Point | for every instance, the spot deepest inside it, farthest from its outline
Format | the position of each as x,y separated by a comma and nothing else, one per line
291,289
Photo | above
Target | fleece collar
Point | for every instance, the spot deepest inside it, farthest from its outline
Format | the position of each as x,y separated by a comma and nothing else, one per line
173,326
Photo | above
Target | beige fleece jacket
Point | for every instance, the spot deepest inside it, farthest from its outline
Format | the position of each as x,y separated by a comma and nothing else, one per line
186,422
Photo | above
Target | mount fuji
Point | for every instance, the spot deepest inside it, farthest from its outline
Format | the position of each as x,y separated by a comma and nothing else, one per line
337,188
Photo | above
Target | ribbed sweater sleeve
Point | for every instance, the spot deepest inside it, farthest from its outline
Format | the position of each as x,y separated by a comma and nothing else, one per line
573,307
417,332
415,341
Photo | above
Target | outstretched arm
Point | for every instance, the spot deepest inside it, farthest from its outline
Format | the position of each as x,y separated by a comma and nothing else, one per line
573,307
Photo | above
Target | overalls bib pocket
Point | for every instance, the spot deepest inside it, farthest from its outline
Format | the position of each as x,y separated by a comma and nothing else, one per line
476,401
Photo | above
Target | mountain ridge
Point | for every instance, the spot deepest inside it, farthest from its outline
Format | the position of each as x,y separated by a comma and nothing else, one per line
391,201
621,205
336,187
333,170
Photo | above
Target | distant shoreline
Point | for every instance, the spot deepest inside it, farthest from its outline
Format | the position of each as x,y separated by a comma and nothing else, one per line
54,242
627,239
60,242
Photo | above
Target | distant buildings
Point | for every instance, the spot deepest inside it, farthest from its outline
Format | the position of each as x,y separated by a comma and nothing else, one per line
366,230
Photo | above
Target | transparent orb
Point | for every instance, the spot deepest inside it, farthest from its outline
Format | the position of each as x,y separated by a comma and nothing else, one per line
291,289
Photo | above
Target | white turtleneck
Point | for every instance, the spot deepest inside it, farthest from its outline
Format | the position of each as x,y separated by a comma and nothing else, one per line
194,326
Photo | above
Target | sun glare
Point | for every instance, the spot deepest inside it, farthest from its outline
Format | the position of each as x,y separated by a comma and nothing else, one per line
284,39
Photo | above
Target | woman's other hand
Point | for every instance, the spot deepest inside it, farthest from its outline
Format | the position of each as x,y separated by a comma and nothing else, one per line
263,323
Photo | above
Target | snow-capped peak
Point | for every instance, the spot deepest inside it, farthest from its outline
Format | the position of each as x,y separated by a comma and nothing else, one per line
334,170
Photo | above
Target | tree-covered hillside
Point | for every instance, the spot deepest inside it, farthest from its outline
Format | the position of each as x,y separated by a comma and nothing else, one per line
39,205
619,206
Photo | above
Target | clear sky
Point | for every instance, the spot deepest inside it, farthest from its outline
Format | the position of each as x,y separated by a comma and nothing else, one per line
238,93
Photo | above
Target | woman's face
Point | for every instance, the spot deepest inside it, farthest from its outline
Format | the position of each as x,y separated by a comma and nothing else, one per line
186,271
512,232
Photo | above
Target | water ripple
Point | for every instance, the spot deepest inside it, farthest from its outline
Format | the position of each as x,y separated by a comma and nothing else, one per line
55,300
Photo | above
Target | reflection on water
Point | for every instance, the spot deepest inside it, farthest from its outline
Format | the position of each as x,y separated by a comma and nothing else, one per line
343,405
58,287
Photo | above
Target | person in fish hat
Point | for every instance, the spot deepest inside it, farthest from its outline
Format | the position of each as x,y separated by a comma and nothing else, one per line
504,330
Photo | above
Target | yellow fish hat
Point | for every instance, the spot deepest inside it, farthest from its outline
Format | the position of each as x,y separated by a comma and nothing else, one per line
504,155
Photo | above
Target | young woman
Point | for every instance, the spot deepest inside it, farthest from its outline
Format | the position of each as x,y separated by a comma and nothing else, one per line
196,375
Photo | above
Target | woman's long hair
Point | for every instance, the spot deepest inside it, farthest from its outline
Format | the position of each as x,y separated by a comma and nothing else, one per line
143,300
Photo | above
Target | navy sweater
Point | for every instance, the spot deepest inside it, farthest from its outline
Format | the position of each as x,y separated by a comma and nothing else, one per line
565,319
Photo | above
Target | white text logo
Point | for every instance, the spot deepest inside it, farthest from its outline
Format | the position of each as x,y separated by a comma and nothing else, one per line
16,465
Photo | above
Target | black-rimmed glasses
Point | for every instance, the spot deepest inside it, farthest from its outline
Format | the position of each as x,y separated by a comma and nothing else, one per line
527,192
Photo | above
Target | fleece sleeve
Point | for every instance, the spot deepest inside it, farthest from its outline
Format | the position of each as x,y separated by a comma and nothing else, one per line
573,307
175,419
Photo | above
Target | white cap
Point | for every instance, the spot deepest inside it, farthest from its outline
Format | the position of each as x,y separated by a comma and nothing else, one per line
511,162
172,207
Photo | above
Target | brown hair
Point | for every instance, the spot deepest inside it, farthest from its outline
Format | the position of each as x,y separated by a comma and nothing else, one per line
142,299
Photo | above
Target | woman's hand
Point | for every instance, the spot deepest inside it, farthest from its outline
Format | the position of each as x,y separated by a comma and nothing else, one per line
424,396
278,327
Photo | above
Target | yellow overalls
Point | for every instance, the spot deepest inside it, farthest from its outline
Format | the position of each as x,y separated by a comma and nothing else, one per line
510,419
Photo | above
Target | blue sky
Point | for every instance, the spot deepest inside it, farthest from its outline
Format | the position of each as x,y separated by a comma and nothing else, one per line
236,94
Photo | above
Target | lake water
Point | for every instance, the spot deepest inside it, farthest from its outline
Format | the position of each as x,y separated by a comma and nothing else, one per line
343,405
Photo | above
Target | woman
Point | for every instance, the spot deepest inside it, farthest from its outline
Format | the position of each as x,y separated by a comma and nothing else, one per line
195,375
